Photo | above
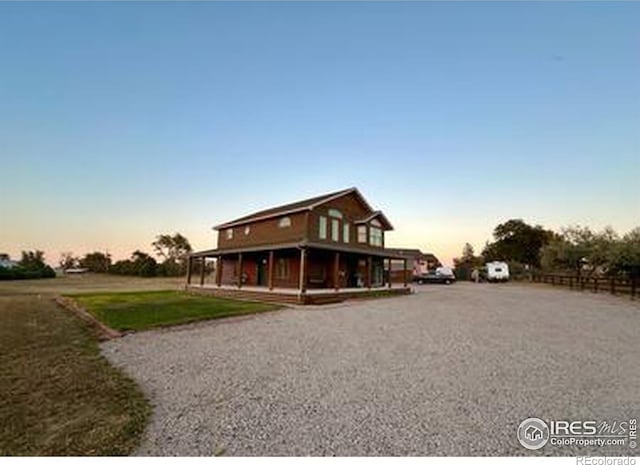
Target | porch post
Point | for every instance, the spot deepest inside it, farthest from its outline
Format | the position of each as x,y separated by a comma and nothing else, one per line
369,271
239,270
389,273
202,271
303,271
270,276
336,271
189,261
219,271
404,271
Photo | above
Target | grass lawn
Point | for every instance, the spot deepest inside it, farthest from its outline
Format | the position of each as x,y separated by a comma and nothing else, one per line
144,310
58,395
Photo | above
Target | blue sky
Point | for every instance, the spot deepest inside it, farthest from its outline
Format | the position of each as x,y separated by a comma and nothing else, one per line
119,121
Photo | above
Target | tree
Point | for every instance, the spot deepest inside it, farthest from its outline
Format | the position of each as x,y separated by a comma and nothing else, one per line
517,241
32,259
96,262
67,260
464,265
174,250
140,264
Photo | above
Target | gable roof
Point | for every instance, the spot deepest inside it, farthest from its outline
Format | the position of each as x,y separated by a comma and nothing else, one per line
302,205
376,214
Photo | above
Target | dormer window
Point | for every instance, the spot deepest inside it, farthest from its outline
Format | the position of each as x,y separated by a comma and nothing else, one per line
284,222
230,233
375,236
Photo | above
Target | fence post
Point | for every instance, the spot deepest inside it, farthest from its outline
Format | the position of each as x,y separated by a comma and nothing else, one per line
553,280
612,285
633,287
581,283
571,282
595,285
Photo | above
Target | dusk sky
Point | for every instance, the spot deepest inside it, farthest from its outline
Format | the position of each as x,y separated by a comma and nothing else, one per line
120,121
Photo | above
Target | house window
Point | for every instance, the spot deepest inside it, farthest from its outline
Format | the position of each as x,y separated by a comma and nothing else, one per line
247,230
345,233
282,268
362,234
335,213
375,237
230,233
284,222
322,227
335,230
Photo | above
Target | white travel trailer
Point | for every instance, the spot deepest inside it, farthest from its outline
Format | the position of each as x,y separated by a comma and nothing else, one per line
497,271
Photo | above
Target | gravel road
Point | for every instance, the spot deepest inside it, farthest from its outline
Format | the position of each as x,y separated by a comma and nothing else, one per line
450,370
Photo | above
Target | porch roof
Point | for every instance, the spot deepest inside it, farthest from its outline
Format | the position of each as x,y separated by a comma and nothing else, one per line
302,244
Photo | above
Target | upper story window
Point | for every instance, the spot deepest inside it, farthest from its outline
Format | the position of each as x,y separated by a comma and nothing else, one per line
335,230
284,222
362,234
322,227
230,233
247,230
335,213
345,233
375,236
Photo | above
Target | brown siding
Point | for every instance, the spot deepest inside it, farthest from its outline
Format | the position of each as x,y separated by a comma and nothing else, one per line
264,232
250,268
352,210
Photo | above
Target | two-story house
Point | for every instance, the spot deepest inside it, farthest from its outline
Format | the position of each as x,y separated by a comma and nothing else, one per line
332,244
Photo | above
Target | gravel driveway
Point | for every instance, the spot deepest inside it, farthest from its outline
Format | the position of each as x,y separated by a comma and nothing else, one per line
450,370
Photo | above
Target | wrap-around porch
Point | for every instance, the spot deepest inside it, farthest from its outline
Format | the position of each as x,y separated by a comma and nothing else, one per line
308,274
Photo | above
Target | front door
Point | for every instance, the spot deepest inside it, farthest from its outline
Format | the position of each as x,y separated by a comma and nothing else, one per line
262,271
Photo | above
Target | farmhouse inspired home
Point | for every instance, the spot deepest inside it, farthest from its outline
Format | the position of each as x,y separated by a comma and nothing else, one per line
323,249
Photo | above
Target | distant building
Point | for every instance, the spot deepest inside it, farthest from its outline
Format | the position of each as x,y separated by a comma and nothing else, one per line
6,262
418,263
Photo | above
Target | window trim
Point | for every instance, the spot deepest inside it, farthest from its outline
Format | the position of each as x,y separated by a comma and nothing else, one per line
284,222
322,227
335,213
363,234
335,230
375,234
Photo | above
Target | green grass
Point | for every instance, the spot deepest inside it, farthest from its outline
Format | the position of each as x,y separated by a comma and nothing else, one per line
144,310
58,395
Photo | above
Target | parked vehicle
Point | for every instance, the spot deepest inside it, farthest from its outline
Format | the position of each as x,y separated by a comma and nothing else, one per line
497,271
441,275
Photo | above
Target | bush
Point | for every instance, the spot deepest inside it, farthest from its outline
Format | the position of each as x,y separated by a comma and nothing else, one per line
21,272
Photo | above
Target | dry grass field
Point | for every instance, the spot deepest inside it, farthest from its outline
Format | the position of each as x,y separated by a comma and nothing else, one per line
88,283
59,395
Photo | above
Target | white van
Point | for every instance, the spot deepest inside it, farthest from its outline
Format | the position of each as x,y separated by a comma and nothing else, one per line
497,271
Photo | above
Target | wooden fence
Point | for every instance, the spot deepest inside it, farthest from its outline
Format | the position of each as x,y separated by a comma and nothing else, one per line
624,286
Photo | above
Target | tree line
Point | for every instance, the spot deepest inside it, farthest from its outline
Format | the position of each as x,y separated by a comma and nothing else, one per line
574,250
172,252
